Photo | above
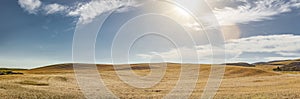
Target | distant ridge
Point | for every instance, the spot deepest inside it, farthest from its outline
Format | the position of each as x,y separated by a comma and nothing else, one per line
283,65
294,66
240,64
69,66
65,66
12,69
278,62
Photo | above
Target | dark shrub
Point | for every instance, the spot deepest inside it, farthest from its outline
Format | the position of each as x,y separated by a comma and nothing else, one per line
8,72
277,69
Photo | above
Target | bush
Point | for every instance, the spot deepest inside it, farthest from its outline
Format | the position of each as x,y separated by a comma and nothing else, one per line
277,69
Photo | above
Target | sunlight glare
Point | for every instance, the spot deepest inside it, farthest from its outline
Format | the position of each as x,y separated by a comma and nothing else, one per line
181,12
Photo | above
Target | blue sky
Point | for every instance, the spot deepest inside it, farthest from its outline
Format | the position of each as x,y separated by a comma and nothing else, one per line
36,33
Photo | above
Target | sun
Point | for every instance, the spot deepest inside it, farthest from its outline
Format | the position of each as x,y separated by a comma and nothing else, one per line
181,12
176,12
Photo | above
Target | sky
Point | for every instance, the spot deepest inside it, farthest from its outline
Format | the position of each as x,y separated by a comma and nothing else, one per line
36,33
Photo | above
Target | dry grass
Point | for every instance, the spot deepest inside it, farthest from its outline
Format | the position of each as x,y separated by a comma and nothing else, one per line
30,82
239,82
39,86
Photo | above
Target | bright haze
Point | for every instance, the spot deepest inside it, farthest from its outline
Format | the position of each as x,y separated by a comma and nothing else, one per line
35,33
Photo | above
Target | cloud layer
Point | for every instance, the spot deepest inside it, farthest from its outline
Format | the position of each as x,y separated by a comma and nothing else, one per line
254,10
89,11
86,11
283,46
243,12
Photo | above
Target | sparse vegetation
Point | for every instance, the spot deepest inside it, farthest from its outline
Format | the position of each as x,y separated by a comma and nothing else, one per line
277,69
8,72
293,66
29,82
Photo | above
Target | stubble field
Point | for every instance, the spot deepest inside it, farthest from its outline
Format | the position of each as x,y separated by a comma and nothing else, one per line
59,82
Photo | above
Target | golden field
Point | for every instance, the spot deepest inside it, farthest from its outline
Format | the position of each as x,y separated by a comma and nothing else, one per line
59,82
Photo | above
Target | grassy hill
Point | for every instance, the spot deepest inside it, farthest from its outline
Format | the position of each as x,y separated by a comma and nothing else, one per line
230,71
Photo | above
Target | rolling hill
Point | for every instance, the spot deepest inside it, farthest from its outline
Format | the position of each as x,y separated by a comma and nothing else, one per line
59,81
232,70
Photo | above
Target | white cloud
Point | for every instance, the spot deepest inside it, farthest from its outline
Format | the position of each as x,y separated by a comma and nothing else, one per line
53,8
169,55
272,43
195,26
205,54
254,10
30,5
85,11
289,54
280,58
88,11
286,45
